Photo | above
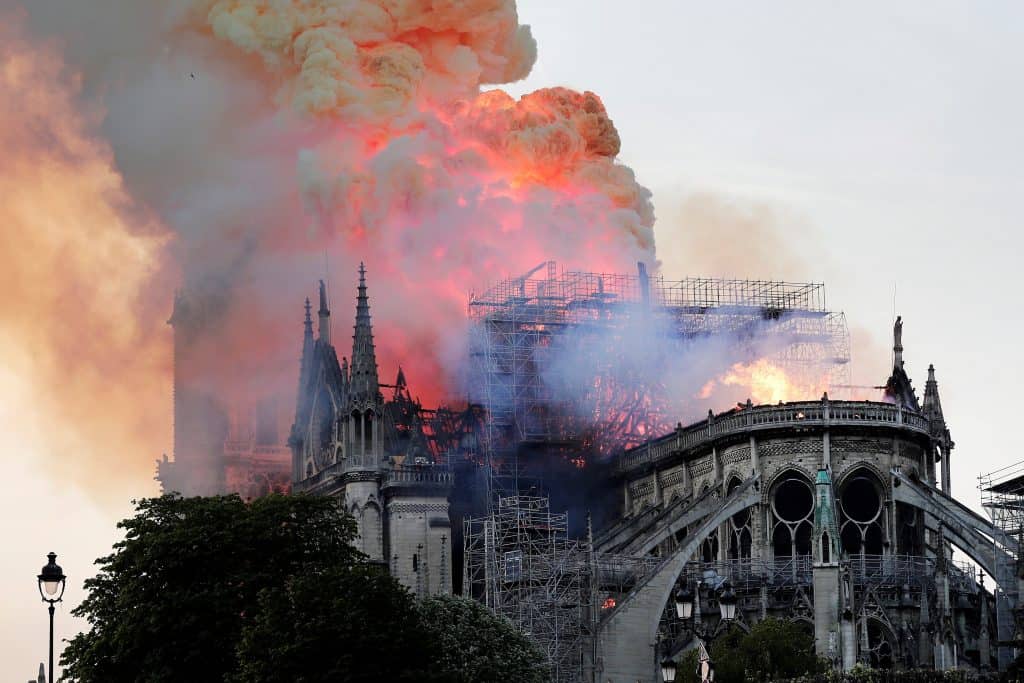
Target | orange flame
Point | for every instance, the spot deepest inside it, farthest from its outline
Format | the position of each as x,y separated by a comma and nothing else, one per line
768,383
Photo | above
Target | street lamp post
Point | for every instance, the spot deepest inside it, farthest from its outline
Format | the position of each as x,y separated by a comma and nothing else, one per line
51,583
684,610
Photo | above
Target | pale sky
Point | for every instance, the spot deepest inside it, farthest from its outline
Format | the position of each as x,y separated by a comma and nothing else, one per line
885,140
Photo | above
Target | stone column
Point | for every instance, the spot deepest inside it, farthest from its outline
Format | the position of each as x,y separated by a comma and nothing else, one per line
946,484
826,607
984,642
847,632
924,639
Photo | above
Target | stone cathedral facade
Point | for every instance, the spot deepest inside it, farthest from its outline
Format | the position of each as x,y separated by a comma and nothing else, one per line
349,441
838,515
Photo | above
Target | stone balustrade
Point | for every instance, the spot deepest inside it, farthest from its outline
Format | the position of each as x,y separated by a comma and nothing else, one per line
419,475
753,419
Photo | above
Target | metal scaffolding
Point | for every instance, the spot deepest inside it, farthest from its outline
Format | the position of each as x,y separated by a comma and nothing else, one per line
1002,496
523,326
520,561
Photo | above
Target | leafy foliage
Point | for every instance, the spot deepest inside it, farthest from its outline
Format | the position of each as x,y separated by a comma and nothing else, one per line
353,624
170,603
214,589
774,649
472,645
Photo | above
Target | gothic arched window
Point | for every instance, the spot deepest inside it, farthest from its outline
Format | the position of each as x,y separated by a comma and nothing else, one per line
860,514
740,536
792,515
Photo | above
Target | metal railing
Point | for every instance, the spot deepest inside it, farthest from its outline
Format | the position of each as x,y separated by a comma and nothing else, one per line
878,570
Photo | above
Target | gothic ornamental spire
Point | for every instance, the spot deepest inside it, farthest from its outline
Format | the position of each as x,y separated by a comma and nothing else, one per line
826,527
897,342
306,363
932,406
324,327
363,369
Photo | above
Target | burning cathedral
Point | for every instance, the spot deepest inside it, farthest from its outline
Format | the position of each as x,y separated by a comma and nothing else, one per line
569,497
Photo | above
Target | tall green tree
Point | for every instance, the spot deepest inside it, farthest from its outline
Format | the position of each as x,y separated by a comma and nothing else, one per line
215,589
171,601
774,649
314,629
353,624
469,644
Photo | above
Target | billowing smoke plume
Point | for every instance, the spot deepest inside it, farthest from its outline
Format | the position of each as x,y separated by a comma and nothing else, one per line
84,368
284,142
280,142
386,150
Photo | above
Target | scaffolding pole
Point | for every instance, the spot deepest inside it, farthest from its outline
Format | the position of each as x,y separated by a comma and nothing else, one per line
1002,496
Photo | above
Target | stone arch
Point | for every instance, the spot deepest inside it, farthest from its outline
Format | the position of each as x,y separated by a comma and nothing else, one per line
883,479
783,471
883,643
731,476
370,528
630,630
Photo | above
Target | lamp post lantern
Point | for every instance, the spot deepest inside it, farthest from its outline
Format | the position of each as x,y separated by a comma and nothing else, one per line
684,598
668,669
727,602
51,590
684,603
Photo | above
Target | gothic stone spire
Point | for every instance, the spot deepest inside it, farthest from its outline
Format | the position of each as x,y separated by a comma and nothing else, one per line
932,406
306,363
364,383
324,328
826,527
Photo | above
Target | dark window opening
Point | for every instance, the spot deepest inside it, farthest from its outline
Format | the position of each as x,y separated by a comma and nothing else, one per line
782,541
803,538
709,549
850,538
860,500
793,500
873,542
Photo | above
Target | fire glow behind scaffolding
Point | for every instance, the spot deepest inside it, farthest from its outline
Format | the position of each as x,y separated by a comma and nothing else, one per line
524,328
